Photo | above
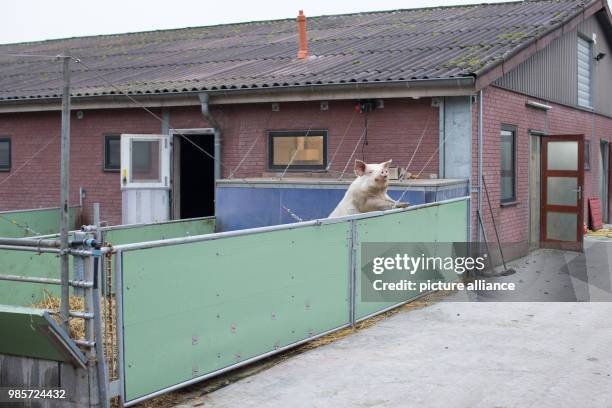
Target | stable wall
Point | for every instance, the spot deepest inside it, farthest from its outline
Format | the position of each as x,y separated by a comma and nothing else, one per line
507,107
393,133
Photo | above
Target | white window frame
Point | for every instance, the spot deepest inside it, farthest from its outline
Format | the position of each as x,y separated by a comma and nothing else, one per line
126,162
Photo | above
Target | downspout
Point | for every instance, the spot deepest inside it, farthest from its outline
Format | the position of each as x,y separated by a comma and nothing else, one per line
480,144
204,98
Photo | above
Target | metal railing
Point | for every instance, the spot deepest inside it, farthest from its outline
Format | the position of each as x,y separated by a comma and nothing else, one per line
86,254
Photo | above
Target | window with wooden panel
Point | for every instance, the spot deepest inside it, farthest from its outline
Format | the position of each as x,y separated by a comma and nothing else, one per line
297,150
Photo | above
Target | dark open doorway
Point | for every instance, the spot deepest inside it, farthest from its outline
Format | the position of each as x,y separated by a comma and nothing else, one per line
196,181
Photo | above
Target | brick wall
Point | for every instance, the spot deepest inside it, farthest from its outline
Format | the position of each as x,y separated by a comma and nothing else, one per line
502,106
393,133
37,184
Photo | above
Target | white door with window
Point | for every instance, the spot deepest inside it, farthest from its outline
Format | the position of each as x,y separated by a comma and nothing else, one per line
145,178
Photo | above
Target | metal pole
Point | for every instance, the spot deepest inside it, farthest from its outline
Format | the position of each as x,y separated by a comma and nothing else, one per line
45,281
480,164
30,249
99,334
65,193
29,242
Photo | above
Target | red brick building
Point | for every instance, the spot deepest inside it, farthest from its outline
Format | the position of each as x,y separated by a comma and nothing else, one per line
474,90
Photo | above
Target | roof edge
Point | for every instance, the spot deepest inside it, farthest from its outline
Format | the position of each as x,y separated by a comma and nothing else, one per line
487,75
355,90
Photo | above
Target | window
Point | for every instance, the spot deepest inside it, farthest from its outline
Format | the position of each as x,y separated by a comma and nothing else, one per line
587,155
5,154
146,158
508,164
297,150
585,72
112,152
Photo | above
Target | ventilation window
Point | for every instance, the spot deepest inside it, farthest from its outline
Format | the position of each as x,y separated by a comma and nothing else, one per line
112,152
585,72
508,164
5,154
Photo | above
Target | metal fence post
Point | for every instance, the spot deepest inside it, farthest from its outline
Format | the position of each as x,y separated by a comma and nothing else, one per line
101,356
353,272
65,194
119,322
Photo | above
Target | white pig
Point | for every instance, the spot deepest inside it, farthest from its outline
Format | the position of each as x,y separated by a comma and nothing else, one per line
368,192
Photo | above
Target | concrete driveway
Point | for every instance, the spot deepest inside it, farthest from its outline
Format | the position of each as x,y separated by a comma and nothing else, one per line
449,355
456,354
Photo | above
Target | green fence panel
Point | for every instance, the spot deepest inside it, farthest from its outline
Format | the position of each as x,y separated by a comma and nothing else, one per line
132,233
195,308
440,223
28,264
27,223
33,333
128,234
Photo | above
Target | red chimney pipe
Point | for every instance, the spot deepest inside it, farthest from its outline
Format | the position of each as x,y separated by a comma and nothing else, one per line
303,51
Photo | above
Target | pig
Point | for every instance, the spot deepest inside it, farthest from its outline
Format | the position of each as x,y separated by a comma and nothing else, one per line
368,192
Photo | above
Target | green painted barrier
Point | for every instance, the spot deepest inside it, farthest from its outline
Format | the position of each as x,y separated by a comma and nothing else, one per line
199,307
131,233
127,234
28,264
33,333
441,223
28,223
47,265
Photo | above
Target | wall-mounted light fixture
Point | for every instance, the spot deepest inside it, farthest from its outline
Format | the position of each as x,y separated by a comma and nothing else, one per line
538,105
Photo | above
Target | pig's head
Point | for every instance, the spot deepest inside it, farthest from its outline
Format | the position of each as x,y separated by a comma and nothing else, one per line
376,175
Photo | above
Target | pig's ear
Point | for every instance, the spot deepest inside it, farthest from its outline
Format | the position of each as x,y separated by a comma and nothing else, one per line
387,163
360,168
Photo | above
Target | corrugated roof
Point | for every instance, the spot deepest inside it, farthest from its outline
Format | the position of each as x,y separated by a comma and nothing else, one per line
443,42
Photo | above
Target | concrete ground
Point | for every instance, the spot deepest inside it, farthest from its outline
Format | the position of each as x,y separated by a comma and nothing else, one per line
460,354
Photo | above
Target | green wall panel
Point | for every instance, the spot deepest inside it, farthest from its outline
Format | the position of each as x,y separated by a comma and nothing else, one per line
28,264
195,308
441,223
128,234
48,266
27,223
34,334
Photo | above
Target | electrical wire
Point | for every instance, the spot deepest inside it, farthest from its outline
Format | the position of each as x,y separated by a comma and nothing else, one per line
17,170
352,154
161,120
418,144
427,163
341,141
231,175
34,56
365,140
294,154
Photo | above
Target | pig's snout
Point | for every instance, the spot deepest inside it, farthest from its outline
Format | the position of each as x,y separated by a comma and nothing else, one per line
385,172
